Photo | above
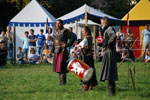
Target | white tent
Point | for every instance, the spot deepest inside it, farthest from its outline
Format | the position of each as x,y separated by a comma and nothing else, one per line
82,22
33,16
80,14
88,13
78,25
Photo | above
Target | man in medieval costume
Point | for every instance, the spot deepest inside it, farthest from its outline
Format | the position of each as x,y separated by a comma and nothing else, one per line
63,39
109,64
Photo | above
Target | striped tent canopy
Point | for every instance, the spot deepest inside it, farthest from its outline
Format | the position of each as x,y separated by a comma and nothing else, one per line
92,14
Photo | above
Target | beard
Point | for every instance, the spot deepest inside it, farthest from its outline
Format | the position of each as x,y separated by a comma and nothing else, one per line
59,28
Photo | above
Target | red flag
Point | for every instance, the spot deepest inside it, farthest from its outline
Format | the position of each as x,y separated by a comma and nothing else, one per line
128,20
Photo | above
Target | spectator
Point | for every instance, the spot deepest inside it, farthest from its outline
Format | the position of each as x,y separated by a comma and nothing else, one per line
10,38
49,42
120,38
3,37
45,54
3,49
119,54
129,40
33,57
75,39
49,33
20,56
40,41
32,40
25,43
123,54
145,39
99,39
119,34
147,57
75,36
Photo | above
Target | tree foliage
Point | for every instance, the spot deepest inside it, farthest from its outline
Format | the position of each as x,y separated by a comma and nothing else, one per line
116,8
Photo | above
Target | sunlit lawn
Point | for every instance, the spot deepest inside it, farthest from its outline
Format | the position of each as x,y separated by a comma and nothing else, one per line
38,82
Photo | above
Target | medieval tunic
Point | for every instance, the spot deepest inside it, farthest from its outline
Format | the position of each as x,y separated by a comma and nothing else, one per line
86,45
109,65
61,54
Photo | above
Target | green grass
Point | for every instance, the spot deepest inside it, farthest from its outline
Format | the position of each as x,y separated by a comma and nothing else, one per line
38,82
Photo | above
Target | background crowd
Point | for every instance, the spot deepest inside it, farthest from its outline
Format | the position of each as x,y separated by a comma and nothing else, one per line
37,48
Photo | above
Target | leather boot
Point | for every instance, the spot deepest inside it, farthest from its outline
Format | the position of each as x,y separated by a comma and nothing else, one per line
84,87
111,88
62,79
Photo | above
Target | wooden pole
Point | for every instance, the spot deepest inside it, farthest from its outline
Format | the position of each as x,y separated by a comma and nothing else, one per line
14,44
86,16
94,32
132,79
77,29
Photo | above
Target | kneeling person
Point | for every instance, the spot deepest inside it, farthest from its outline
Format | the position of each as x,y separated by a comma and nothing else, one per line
20,56
45,54
33,57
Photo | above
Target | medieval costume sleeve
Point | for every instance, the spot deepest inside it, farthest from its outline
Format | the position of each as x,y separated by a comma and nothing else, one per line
109,38
69,35
83,43
112,36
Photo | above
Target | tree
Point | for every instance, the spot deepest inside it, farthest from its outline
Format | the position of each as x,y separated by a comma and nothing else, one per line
8,11
116,8
61,7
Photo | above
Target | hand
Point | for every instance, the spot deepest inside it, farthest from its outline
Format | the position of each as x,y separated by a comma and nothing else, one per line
33,59
30,40
19,58
73,54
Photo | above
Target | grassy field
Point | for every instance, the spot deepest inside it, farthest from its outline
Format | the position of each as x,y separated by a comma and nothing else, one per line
38,82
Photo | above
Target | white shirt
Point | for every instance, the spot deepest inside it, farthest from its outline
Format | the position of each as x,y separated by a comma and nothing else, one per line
121,35
46,35
147,57
9,37
146,35
84,43
50,44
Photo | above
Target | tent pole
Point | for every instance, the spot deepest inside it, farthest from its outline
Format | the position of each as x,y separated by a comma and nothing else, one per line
14,44
77,29
86,16
94,31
